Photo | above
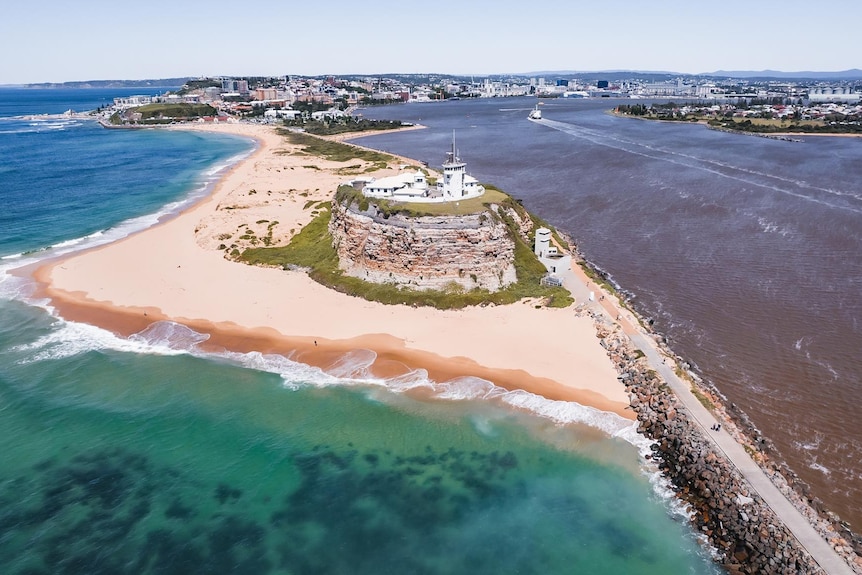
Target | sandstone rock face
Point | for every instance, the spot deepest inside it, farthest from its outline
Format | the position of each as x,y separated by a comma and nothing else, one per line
428,252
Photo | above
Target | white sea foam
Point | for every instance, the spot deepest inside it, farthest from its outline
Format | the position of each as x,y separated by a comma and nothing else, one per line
352,369
467,388
68,339
295,375
828,367
165,337
38,125
354,364
564,412
171,335
812,445
13,287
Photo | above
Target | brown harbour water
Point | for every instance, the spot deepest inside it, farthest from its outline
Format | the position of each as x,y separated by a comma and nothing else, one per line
745,251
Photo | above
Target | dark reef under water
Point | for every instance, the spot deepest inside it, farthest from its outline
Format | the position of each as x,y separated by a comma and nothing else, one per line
116,511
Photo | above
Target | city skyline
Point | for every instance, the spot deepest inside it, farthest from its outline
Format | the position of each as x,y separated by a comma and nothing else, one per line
103,40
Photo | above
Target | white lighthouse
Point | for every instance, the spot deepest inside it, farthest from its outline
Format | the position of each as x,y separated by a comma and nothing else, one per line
454,171
456,184
543,242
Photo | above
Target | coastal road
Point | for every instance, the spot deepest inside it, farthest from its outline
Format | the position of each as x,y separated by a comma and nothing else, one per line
581,287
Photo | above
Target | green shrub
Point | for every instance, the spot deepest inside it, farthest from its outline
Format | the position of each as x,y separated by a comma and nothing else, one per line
180,110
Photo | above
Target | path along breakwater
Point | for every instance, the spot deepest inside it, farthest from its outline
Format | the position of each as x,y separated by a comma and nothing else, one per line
747,534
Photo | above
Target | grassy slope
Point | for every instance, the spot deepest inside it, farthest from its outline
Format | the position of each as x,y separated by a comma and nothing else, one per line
334,151
349,125
179,110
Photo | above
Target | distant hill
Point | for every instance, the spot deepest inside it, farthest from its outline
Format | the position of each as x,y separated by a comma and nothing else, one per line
854,74
156,83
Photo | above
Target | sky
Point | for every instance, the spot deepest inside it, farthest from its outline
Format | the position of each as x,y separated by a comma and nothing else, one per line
76,40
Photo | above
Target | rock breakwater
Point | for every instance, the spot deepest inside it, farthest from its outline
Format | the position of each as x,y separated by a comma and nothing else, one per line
838,533
747,534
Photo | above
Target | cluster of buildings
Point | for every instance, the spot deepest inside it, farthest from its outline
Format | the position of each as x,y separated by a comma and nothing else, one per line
275,98
413,186
705,89
291,97
828,111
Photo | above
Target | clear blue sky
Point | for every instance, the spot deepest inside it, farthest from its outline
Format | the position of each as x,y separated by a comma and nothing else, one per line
57,41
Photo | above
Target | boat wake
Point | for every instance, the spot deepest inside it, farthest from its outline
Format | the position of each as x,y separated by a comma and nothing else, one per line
852,200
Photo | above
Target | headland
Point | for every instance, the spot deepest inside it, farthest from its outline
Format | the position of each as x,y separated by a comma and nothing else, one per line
177,271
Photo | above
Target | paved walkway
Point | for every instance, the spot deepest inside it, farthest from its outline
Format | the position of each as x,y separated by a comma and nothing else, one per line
582,288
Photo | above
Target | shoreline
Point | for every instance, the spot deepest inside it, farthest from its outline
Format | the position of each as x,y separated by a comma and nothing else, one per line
393,359
179,257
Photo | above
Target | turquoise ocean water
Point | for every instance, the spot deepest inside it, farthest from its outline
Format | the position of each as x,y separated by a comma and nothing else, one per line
143,455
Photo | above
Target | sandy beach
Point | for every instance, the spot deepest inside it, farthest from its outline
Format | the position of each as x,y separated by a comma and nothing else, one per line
177,271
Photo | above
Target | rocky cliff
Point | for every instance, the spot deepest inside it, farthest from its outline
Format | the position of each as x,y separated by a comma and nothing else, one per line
423,252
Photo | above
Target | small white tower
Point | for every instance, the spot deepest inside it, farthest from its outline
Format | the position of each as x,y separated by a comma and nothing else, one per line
543,242
454,171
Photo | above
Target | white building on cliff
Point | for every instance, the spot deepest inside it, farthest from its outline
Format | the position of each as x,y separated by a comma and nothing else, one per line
413,186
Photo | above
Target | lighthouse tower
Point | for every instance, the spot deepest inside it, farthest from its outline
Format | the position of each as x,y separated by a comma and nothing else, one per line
454,171
543,242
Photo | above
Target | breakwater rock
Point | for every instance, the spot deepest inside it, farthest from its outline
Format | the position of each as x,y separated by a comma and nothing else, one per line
781,137
747,534
423,252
